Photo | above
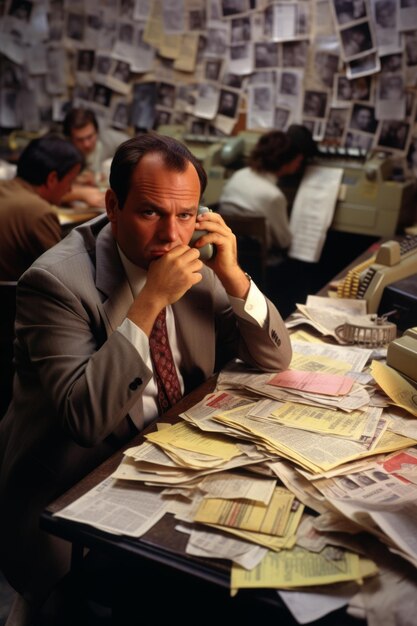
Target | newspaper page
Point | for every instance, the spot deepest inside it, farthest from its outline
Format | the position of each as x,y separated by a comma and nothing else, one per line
313,211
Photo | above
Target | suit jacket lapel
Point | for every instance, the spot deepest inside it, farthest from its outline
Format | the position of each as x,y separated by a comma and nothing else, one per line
111,279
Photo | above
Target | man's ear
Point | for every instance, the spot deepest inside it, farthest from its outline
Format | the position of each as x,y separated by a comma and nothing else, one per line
51,180
112,205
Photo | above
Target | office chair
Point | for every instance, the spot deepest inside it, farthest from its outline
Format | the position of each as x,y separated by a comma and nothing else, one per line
7,317
251,242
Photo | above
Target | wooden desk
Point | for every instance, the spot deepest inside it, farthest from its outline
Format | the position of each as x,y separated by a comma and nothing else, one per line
69,218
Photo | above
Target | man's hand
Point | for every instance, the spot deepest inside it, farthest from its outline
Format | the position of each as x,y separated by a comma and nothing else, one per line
169,277
224,262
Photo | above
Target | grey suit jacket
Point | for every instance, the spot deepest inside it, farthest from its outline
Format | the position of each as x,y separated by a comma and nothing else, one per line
77,379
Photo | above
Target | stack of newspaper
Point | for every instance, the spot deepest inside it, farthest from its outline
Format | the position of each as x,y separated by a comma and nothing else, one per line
306,480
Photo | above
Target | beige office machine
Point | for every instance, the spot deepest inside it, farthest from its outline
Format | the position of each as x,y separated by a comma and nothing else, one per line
393,261
371,201
402,354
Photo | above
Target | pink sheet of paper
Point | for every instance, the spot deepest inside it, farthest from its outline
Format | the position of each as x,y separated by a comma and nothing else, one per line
313,382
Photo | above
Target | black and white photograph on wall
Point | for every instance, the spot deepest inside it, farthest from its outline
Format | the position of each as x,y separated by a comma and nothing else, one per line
385,13
359,141
240,29
349,10
60,107
394,134
122,71
11,75
234,7
199,127
281,118
228,102
217,41
85,60
346,90
294,53
289,83
365,66
102,94
241,58
212,69
103,64
391,87
75,26
126,9
143,105
315,103
261,104
197,19
21,9
166,95
266,54
326,66
125,33
232,80
162,118
121,115
385,20
356,41
363,118
407,18
335,127
392,62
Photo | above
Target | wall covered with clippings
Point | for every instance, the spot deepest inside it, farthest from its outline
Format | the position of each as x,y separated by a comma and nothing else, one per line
345,68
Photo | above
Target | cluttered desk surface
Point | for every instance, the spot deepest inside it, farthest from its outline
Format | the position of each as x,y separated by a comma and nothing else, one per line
309,483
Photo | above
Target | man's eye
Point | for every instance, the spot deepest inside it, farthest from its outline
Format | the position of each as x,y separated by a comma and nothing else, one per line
149,213
185,216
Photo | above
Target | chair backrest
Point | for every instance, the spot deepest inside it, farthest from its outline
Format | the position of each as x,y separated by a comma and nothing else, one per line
248,228
7,318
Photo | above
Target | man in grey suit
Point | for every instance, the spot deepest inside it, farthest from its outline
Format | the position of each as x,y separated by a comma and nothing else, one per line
84,379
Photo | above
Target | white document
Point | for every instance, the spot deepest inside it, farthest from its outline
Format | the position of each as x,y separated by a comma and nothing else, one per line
117,508
313,211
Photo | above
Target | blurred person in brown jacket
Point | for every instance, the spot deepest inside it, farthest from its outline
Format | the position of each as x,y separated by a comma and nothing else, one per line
29,222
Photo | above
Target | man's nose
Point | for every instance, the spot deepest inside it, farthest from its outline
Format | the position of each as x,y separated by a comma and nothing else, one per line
169,229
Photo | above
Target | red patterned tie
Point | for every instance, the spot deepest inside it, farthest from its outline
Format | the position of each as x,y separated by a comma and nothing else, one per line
169,390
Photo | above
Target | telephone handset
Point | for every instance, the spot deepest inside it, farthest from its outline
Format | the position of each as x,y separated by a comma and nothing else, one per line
394,261
206,252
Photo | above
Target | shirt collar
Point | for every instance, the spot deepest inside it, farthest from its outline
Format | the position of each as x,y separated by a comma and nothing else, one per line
136,276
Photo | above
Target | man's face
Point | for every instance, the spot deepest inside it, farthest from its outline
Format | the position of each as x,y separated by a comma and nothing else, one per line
85,138
363,119
159,213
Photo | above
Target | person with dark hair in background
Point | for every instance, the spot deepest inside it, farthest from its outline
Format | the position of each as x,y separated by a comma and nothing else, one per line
29,222
253,190
81,127
85,327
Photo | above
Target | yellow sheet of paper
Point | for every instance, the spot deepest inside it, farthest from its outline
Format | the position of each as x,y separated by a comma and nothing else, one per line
183,436
302,335
395,386
296,568
287,541
316,419
319,363
271,519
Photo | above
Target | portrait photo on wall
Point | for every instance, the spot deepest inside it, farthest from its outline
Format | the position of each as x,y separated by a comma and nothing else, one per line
346,90
363,118
395,135
315,103
349,10
228,103
356,41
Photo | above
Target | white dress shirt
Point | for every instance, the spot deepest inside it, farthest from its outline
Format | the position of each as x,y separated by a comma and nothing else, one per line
253,309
